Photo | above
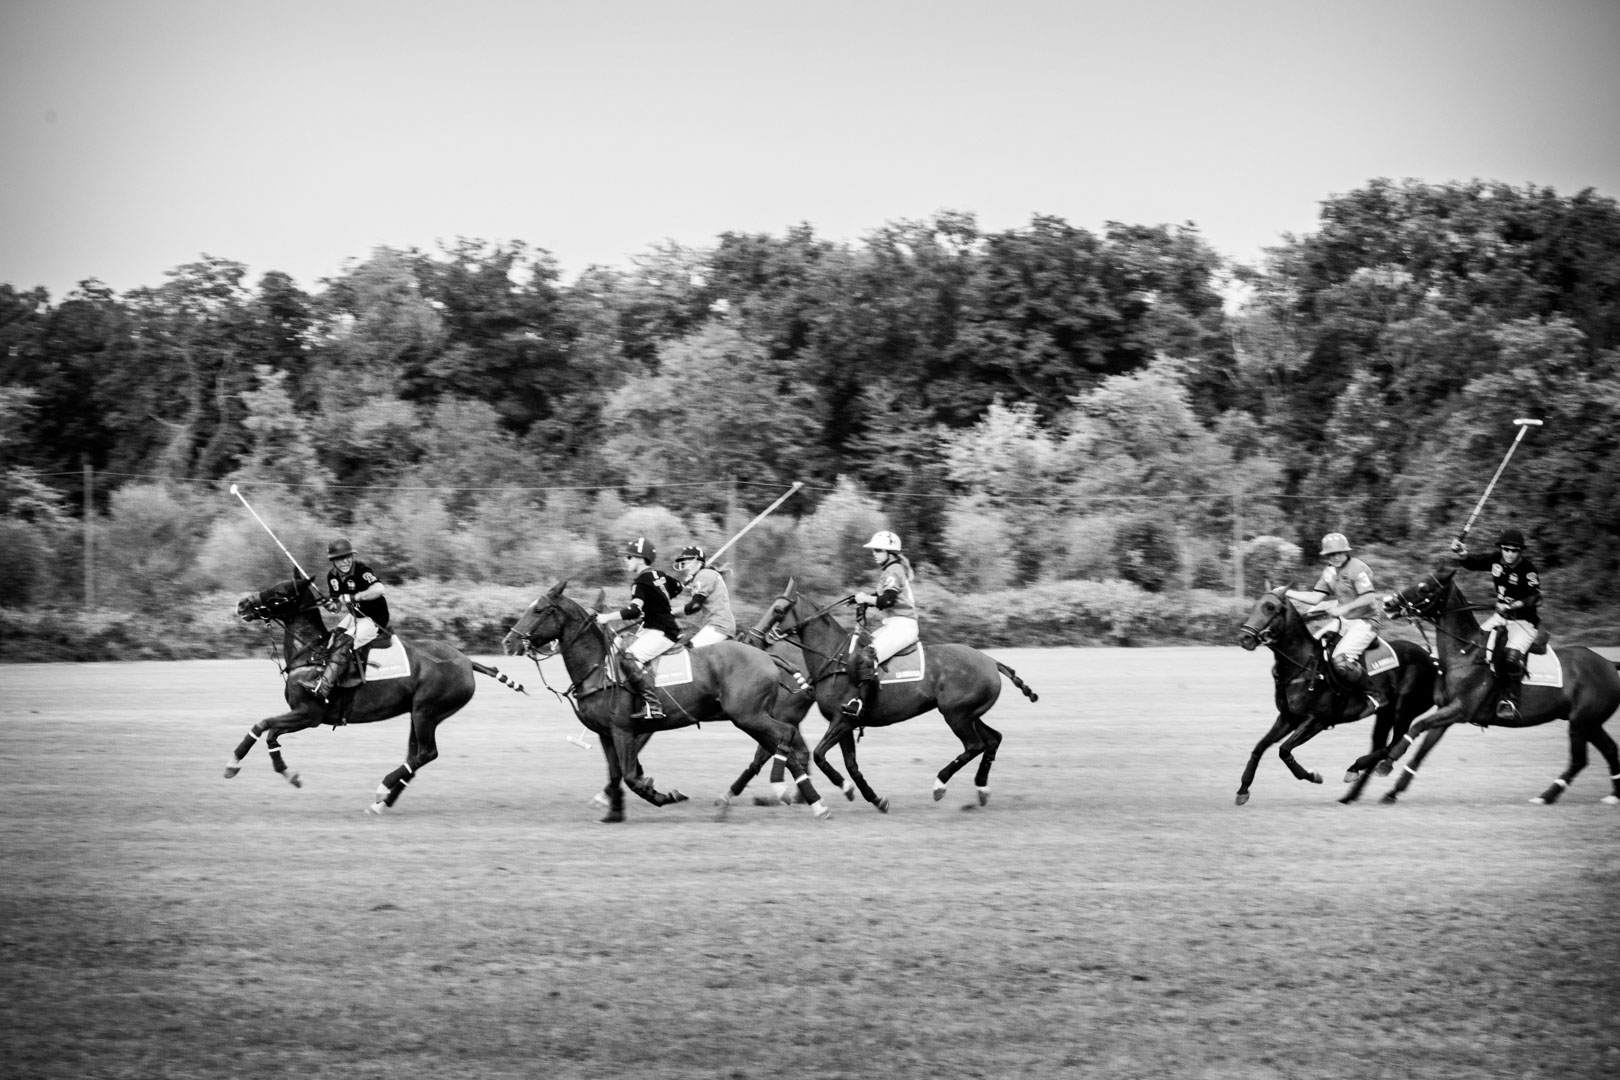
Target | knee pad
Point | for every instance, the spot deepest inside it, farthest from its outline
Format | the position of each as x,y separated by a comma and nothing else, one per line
1348,668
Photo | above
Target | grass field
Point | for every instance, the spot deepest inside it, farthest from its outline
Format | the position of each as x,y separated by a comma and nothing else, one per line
1110,914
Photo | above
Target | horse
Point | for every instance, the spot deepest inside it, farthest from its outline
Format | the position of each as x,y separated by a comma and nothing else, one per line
1309,699
961,682
1588,698
730,681
438,684
793,701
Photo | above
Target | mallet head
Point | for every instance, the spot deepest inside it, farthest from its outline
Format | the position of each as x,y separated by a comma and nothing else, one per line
233,489
1527,422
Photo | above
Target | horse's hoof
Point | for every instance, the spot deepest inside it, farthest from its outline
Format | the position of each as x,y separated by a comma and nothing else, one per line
984,796
677,796
767,800
882,804
939,790
613,817
822,811
1352,776
722,807
1346,799
1242,797
1390,799
1315,778
1538,801
232,770
295,780
1610,800
377,808
601,800
1383,768
849,790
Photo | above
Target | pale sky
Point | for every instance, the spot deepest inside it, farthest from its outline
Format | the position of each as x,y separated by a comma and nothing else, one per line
137,135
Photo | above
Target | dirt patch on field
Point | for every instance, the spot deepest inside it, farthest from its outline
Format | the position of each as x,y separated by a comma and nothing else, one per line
1109,914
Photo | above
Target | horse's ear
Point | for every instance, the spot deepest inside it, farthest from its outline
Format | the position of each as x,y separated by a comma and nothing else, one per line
601,601
557,590
788,589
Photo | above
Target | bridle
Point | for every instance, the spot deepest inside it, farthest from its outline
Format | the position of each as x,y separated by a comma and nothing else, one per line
835,665
283,609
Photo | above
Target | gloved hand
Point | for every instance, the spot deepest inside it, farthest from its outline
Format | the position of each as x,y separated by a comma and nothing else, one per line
1459,547
334,603
865,599
607,617
1507,608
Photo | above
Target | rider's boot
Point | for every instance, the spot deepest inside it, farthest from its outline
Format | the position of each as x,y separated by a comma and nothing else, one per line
336,661
636,674
1512,674
1354,678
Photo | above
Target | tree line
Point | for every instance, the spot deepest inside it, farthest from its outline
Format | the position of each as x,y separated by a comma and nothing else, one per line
1038,404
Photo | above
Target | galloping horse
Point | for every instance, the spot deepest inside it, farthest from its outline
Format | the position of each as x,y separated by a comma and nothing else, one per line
1307,703
730,681
1588,697
961,682
439,683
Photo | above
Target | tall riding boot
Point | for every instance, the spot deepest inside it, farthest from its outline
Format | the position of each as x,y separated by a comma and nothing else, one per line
336,661
640,680
1512,674
1354,679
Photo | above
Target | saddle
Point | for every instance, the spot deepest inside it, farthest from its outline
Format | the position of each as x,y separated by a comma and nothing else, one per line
1496,642
354,669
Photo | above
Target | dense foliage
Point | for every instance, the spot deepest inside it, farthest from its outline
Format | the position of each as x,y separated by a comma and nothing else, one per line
1025,407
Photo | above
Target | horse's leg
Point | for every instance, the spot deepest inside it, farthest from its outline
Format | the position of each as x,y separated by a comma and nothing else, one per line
857,779
791,746
1611,754
609,738
281,722
761,756
420,750
1577,762
991,738
966,727
835,730
1279,728
630,769
1384,721
1431,738
1307,731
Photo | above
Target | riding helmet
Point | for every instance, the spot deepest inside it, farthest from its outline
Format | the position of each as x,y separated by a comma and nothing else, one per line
693,552
1333,543
339,548
642,548
1512,538
883,540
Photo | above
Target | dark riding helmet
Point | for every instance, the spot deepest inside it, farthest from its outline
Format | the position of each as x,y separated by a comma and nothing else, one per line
1511,538
642,548
693,552
339,548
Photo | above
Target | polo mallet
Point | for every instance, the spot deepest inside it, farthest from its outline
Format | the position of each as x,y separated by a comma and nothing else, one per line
1524,424
761,516
267,529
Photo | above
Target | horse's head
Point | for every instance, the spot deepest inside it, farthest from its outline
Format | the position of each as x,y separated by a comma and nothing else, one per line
1424,598
279,602
1266,619
539,631
779,610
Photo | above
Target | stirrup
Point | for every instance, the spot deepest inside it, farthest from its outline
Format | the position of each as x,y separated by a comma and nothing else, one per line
321,689
1507,710
852,708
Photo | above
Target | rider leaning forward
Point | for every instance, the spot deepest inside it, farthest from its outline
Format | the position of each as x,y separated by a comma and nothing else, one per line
1518,608
1345,592
354,591
889,612
651,591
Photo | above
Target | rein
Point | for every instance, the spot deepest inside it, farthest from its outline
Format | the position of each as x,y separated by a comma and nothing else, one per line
263,614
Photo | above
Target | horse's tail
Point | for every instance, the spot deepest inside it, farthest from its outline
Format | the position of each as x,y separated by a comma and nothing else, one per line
494,673
1016,681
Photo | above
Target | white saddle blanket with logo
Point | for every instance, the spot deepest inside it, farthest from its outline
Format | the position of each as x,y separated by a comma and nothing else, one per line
389,663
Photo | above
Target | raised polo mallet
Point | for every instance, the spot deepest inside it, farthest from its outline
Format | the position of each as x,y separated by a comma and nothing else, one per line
279,544
1524,424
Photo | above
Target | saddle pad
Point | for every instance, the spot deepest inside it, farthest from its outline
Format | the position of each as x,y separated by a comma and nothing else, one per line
1543,669
388,663
1380,657
673,668
902,667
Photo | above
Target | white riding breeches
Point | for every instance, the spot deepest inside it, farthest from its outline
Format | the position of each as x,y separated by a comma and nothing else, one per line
358,627
649,644
708,635
1520,634
1354,637
896,633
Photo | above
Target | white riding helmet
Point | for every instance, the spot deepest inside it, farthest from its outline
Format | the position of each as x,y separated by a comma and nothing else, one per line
883,540
1333,543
